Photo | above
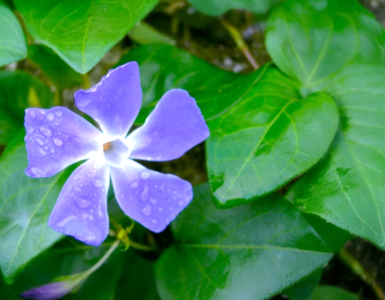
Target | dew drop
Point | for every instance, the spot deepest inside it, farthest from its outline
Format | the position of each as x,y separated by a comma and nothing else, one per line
42,152
52,150
57,142
181,203
160,208
41,142
77,189
97,182
50,117
30,129
147,210
82,203
134,185
45,131
145,175
38,172
42,111
32,114
58,113
143,195
153,221
153,201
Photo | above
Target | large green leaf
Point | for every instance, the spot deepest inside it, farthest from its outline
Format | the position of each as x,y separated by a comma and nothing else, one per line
268,138
347,188
218,7
250,252
313,39
61,74
81,32
262,132
304,288
18,91
25,205
66,258
12,40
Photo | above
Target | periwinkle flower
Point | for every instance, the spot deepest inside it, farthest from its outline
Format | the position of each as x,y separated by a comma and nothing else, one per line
51,291
57,138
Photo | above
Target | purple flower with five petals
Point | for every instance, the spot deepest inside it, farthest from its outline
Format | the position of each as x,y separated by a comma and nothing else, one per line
57,138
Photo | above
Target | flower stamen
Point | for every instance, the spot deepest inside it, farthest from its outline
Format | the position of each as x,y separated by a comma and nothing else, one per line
106,146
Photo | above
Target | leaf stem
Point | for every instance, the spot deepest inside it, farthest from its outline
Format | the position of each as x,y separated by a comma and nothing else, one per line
359,270
240,43
86,81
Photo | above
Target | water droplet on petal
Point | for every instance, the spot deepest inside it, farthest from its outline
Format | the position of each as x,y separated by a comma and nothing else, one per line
160,208
153,221
30,129
32,114
50,117
153,201
52,150
42,152
82,203
38,172
145,175
44,130
41,142
77,189
147,210
57,142
181,203
58,113
144,195
42,111
134,185
97,182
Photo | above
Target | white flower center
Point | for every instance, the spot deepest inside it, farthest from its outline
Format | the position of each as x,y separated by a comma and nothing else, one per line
115,152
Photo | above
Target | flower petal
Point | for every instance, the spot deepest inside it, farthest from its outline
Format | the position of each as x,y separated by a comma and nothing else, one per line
115,101
153,199
81,209
51,291
175,126
57,138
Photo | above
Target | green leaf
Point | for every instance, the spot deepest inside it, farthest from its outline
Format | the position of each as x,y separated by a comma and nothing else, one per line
137,280
347,187
18,91
25,204
61,74
144,34
12,40
312,40
81,32
267,139
332,293
247,116
219,7
69,257
304,288
255,250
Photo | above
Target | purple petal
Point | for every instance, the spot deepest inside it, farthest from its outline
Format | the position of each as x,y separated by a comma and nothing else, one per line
50,291
175,126
115,101
153,199
81,209
57,138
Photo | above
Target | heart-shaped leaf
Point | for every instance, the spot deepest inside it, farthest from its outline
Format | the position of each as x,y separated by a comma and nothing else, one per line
312,40
25,205
12,40
81,32
347,187
18,91
263,133
268,138
250,252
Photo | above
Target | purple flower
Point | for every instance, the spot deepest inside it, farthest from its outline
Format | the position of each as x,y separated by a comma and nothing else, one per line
51,291
57,138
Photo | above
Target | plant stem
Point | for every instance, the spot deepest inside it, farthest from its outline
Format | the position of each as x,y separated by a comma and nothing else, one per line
241,45
138,246
86,81
359,270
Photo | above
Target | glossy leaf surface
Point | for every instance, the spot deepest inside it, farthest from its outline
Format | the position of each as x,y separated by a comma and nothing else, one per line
18,91
262,133
81,32
219,7
268,138
312,40
61,74
250,252
25,205
12,40
332,293
347,187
